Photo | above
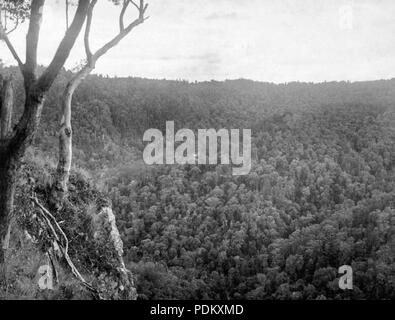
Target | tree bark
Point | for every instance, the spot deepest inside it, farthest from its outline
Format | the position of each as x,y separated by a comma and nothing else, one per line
7,191
6,106
7,172
65,139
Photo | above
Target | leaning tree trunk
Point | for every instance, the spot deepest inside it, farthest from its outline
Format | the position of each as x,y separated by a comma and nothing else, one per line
7,170
60,189
13,144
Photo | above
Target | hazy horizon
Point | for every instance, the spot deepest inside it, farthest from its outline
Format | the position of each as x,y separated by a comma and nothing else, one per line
267,41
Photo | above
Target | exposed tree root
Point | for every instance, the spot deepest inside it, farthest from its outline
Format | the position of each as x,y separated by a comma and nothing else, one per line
60,244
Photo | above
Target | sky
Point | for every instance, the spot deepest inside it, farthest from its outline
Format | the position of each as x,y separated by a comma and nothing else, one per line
266,40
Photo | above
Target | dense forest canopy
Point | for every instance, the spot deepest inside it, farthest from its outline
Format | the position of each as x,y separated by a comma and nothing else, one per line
320,193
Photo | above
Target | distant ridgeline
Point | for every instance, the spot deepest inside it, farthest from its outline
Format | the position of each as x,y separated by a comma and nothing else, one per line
320,193
110,115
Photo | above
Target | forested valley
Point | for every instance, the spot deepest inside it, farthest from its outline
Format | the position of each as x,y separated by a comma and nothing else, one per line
321,192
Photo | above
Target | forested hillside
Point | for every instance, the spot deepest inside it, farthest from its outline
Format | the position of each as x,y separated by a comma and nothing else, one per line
321,192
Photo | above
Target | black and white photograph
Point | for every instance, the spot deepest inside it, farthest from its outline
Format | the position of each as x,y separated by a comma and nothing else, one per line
225,151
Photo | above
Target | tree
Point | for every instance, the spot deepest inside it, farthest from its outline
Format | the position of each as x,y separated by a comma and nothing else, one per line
65,131
14,141
13,13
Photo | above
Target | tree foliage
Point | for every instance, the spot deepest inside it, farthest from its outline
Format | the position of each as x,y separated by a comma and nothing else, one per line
15,11
320,193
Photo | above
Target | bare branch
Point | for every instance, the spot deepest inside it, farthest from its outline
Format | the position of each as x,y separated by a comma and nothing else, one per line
144,10
141,8
122,15
125,31
3,36
15,26
134,3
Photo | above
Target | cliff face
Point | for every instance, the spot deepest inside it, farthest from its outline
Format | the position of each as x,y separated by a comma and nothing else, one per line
72,253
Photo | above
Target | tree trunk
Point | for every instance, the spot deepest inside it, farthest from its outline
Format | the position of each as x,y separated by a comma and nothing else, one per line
60,189
6,104
12,149
7,190
65,151
7,171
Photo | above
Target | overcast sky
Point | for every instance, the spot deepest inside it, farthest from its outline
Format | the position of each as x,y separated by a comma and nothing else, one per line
266,40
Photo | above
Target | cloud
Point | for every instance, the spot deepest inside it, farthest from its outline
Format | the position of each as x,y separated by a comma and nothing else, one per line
206,57
282,40
223,16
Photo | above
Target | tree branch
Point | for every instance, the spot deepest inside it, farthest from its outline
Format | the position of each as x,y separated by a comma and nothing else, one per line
88,30
32,37
123,31
36,89
14,28
3,36
67,14
122,15
67,43
141,8
134,3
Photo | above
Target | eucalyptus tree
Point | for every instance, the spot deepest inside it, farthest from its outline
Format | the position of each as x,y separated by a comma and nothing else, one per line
65,132
15,140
